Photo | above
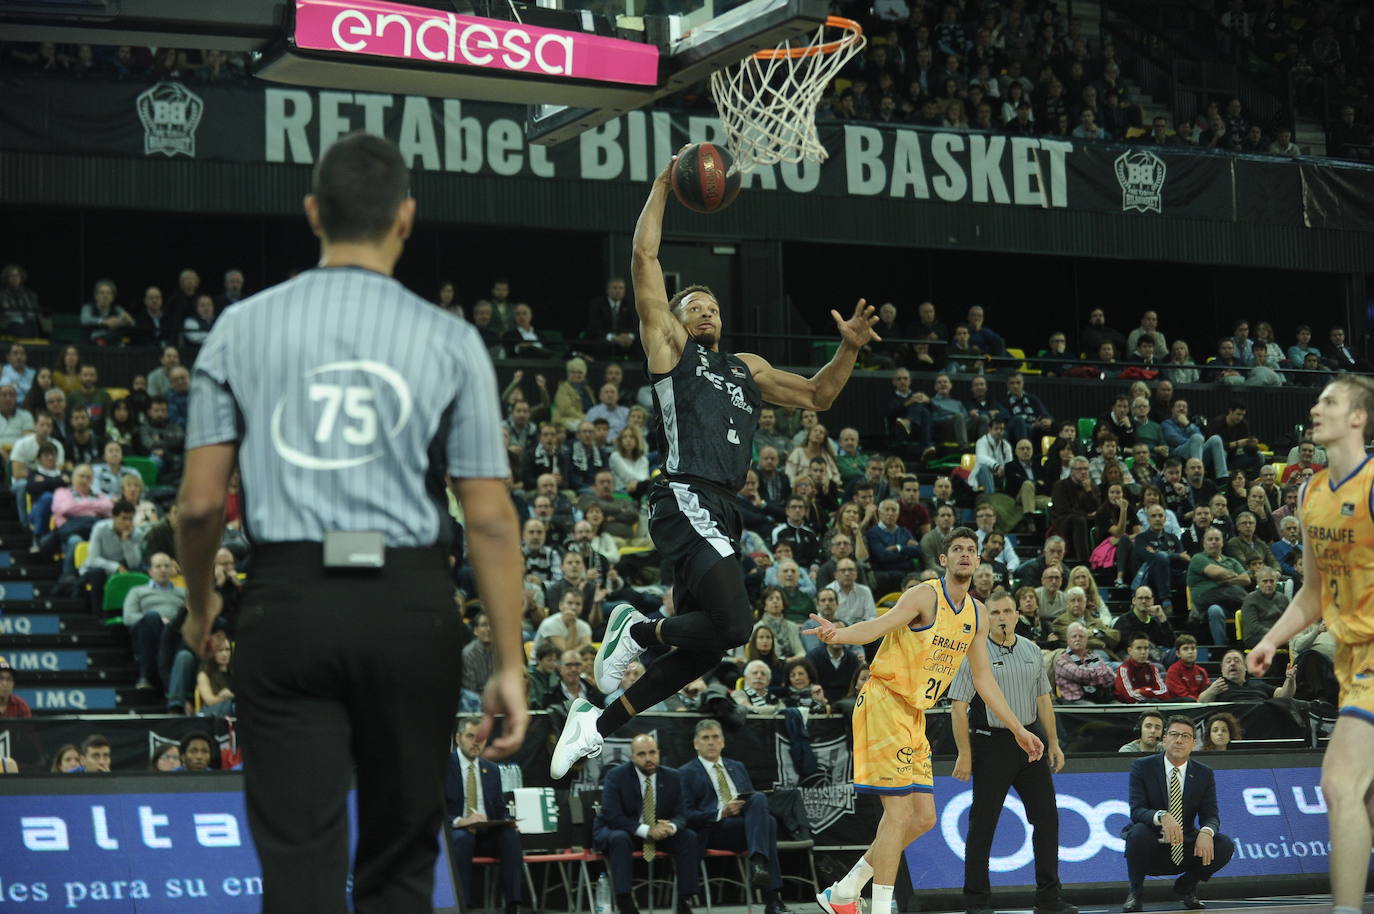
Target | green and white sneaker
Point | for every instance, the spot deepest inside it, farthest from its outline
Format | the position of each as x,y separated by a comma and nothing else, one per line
579,738
618,650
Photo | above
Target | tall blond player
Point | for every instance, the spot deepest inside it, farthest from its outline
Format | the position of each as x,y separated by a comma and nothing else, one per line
1336,508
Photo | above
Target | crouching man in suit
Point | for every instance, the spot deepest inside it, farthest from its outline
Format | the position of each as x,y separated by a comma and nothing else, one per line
644,806
723,807
1175,825
472,795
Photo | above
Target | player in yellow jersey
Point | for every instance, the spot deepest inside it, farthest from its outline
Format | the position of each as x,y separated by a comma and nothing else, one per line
1336,509
926,637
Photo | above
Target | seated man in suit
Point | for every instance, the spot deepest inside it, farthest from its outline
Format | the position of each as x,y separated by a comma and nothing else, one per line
644,806
472,795
1175,825
723,807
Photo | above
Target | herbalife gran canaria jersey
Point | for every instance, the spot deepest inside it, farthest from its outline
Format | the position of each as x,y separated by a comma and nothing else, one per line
918,664
1338,526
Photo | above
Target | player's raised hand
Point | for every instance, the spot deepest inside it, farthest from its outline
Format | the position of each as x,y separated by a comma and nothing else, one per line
1259,658
858,330
1031,743
824,630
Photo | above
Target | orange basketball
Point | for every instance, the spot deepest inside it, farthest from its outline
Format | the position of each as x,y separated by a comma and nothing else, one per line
702,179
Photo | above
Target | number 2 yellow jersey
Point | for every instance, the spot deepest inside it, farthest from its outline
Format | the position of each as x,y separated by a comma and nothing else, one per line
1338,527
918,664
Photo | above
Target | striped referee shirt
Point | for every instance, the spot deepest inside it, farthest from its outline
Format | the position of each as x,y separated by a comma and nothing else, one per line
1020,673
349,397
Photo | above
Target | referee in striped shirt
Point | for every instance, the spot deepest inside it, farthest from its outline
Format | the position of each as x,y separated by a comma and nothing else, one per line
992,755
345,401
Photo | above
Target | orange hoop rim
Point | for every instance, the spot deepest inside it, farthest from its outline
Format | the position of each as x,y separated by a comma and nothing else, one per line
853,29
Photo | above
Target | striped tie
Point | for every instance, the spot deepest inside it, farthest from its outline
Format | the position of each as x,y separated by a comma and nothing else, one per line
650,819
470,789
1176,810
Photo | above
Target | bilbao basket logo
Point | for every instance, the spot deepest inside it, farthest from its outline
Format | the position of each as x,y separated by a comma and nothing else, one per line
1141,176
828,794
170,113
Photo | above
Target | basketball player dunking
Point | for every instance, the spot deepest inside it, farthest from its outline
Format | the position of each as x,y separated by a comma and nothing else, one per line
1336,507
926,636
707,402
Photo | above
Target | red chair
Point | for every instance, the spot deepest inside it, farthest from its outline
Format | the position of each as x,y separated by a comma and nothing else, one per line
592,856
742,883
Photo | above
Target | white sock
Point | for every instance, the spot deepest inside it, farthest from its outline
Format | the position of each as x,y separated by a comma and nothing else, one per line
852,885
882,899
1344,909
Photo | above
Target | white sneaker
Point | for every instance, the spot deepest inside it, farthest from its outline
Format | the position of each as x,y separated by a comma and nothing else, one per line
579,738
618,650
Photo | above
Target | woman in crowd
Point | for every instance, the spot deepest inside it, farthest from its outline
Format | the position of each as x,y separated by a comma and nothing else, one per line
67,758
1082,576
131,490
67,373
802,690
35,401
849,521
1180,368
574,396
121,425
601,541
894,471
771,606
1152,495
1222,730
1113,522
762,647
212,683
815,446
629,465
1029,625
1237,493
166,757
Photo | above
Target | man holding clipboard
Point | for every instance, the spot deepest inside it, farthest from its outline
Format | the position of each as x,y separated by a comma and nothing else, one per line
723,807
478,821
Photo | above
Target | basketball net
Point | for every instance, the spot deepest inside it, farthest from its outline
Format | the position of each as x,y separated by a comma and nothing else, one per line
767,101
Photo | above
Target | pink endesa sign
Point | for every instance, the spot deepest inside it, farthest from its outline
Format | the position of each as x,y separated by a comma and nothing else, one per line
381,29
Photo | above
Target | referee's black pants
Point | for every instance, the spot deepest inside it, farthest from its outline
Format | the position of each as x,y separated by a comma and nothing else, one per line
999,764
334,674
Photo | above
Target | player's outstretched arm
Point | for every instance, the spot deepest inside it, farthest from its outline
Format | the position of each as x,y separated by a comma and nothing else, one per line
991,692
819,391
911,606
659,332
1304,609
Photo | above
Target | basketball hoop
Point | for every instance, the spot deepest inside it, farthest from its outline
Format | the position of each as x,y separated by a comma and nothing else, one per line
767,101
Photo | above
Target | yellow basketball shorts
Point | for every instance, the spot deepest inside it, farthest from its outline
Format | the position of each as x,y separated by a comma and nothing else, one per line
1355,673
891,754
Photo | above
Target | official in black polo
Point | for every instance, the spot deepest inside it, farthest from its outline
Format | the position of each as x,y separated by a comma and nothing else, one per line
988,750
345,400
1176,826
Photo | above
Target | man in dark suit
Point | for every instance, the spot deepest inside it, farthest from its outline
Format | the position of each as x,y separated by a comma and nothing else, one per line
472,796
1175,825
1340,356
723,807
612,323
644,806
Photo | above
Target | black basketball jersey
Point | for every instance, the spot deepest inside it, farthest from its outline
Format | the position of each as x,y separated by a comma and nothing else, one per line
708,409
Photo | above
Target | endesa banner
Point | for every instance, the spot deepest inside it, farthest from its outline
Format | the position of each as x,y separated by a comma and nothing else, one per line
134,844
1277,818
